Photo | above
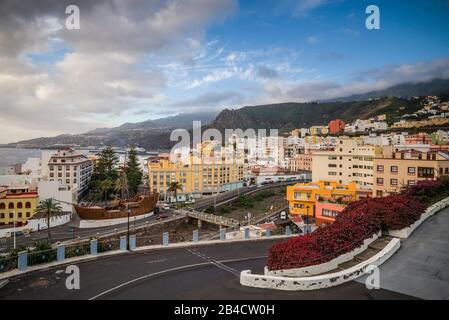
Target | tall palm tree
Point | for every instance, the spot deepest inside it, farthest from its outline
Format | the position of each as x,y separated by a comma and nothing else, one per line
173,189
50,208
105,186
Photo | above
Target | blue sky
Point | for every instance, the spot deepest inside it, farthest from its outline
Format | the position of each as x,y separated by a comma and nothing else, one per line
148,59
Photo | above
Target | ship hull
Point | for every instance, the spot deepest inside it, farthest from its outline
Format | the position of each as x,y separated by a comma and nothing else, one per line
139,206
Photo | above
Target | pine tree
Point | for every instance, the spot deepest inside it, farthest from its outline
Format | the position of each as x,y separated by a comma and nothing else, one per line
133,172
105,171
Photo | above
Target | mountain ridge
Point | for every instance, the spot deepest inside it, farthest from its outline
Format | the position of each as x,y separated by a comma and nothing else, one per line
155,134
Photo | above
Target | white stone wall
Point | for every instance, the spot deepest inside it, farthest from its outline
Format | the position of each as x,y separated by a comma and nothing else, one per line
86,224
320,281
324,267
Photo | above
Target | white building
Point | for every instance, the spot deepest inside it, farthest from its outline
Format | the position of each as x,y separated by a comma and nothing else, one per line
69,168
350,161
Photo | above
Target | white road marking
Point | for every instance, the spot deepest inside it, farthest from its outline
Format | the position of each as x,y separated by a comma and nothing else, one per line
167,271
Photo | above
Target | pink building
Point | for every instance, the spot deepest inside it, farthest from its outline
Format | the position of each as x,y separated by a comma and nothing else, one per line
326,212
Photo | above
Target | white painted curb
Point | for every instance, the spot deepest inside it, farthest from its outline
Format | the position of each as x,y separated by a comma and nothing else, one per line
430,211
321,281
324,267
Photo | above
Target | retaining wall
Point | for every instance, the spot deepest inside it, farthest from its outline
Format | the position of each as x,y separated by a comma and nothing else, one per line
324,267
320,281
86,224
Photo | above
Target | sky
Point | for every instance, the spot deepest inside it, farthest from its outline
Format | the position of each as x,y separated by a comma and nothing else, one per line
144,59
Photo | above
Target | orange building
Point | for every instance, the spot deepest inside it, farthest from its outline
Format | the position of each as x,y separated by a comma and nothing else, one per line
337,126
418,138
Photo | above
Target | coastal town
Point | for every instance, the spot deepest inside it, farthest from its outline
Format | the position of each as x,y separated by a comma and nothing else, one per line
229,155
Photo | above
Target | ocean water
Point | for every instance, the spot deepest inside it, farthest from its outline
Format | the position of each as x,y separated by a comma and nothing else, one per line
11,156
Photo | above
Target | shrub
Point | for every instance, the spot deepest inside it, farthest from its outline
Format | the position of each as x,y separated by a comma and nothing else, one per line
358,221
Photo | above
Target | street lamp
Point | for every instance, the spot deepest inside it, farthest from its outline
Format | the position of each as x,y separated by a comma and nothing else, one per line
14,228
307,219
127,236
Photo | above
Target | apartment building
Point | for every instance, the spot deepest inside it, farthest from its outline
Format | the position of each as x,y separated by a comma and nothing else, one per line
319,130
350,161
300,162
395,169
17,204
303,197
69,168
197,177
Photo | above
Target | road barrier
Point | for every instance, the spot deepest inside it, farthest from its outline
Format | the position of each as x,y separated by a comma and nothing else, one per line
94,247
123,243
165,239
22,263
132,242
60,254
196,236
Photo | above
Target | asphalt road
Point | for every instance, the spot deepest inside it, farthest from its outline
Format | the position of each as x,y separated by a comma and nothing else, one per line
67,232
421,266
206,272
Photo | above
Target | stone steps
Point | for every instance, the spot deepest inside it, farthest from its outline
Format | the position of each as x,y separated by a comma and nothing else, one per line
371,251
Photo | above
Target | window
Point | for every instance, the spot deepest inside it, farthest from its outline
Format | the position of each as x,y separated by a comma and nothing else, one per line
411,170
329,213
19,215
11,215
411,182
11,205
379,193
28,205
380,181
20,205
426,172
394,182
52,168
332,165
394,169
2,216
28,214
2,206
380,168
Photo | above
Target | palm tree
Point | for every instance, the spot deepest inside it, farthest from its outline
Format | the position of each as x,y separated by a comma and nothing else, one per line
173,189
105,186
50,208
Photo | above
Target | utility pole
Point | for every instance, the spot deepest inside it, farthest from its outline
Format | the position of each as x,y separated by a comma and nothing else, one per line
14,223
127,236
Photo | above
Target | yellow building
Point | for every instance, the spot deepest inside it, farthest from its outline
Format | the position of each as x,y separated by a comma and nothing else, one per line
314,139
17,203
303,197
197,178
398,169
423,123
319,130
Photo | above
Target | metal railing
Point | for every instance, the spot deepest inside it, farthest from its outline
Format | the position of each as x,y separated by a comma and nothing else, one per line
27,258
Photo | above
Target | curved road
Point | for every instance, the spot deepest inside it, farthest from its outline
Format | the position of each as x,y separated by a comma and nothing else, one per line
202,272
